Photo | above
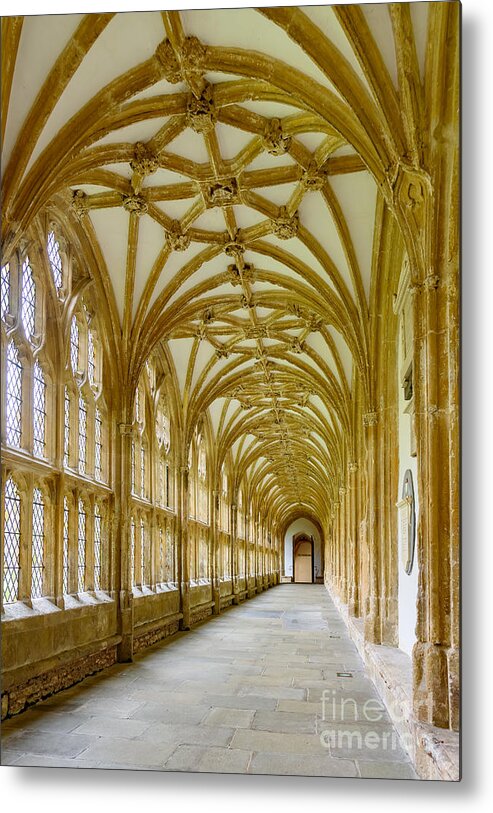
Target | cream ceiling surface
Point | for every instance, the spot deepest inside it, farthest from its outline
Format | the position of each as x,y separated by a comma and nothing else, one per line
234,219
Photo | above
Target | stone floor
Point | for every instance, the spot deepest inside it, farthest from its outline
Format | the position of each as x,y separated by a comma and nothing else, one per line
273,686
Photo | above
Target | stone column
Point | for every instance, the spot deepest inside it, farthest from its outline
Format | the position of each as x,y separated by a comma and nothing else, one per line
216,548
125,599
343,542
234,552
372,609
184,549
431,651
353,587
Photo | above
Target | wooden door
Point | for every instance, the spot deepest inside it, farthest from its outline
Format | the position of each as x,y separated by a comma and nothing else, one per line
303,562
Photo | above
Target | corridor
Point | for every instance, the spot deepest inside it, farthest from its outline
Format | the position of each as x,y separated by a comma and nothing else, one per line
273,686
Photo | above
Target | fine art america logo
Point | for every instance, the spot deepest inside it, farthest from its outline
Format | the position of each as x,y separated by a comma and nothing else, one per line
358,727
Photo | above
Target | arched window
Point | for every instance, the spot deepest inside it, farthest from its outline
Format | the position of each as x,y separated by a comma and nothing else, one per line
13,422
98,445
39,411
97,547
5,291
82,434
28,299
132,552
74,344
66,531
12,542
81,547
38,544
53,249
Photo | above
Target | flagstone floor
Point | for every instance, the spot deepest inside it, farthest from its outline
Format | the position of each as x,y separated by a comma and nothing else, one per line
272,686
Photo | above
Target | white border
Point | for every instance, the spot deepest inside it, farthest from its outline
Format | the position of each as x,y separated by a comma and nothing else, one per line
43,789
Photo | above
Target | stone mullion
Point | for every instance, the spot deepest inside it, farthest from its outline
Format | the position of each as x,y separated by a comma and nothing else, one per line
184,547
26,360
25,552
372,615
73,538
89,574
52,576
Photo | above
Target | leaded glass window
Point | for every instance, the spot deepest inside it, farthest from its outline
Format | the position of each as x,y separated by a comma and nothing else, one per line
161,483
38,544
28,299
66,428
132,467
5,291
82,434
53,249
169,557
81,547
91,358
97,548
39,412
143,551
142,471
66,530
98,445
13,422
74,344
12,542
167,486
132,552
161,556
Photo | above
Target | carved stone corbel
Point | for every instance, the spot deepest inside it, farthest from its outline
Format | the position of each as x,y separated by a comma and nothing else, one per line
79,204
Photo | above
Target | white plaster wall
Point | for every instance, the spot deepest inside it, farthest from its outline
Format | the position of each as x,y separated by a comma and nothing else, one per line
408,584
309,528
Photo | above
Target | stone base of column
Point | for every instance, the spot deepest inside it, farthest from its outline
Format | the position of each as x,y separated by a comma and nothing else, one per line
124,650
453,661
431,684
185,621
373,627
216,595
390,629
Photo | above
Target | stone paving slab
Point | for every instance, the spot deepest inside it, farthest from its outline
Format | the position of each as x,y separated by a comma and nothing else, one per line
252,691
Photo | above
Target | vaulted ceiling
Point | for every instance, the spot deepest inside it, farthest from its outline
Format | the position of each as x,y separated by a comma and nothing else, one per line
226,167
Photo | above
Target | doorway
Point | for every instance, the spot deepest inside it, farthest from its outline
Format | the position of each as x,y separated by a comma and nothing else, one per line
303,559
